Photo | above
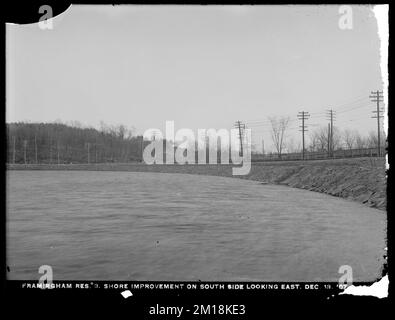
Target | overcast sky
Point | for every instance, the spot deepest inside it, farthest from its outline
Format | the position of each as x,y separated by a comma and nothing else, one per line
201,66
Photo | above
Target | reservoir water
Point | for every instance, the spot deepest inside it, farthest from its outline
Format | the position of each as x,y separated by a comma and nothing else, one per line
91,225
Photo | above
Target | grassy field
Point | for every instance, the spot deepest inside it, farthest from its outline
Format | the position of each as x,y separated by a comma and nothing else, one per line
358,179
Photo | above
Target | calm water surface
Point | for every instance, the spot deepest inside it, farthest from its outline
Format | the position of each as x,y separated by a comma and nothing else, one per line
158,226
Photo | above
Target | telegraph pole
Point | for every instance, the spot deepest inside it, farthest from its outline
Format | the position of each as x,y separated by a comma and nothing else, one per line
377,96
57,148
13,155
303,115
50,150
35,147
24,152
329,139
240,126
88,145
331,115
95,149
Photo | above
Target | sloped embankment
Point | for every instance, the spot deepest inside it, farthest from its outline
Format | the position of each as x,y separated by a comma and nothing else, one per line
362,180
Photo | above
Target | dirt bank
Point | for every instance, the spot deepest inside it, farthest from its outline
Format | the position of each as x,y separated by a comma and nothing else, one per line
362,180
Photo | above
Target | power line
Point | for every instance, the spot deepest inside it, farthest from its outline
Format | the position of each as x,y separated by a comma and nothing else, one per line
344,107
261,121
344,121
350,104
259,126
354,108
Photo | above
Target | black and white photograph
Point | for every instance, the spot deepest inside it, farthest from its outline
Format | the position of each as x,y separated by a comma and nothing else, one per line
199,144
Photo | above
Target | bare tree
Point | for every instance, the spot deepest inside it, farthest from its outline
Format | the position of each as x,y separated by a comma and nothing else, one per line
279,127
292,146
337,140
349,138
130,132
319,139
103,128
360,142
313,145
372,140
120,131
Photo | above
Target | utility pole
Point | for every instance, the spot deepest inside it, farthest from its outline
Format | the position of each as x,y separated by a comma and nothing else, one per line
377,96
95,149
331,115
13,155
57,148
88,145
50,150
329,139
35,147
303,115
240,126
24,146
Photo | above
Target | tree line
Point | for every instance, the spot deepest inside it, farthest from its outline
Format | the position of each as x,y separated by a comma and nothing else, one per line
62,143
59,143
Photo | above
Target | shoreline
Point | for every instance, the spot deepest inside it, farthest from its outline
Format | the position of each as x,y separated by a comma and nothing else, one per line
359,179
